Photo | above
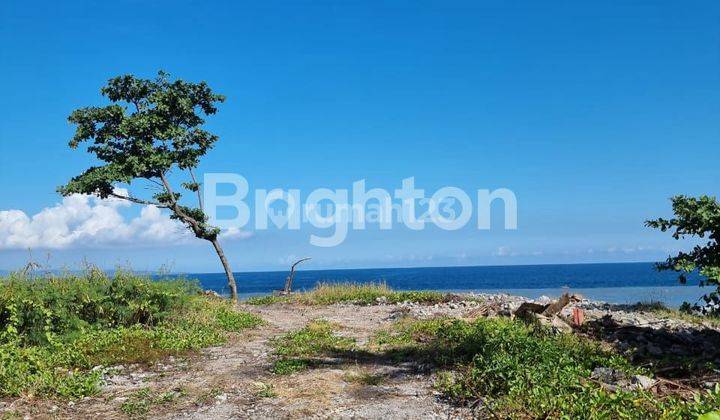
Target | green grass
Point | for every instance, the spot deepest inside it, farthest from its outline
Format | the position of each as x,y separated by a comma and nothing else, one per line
512,370
358,293
297,349
286,366
54,331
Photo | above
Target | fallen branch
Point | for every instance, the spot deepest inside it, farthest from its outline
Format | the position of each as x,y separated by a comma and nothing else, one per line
547,315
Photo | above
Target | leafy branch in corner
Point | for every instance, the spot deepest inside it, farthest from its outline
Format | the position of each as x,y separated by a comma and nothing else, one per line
695,217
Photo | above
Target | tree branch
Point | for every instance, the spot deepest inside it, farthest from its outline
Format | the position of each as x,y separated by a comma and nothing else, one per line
138,200
199,195
154,182
197,229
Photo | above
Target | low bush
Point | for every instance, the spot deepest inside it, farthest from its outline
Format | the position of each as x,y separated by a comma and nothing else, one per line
58,333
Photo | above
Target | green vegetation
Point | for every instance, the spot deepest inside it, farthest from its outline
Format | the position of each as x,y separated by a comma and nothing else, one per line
297,349
510,369
695,217
265,390
359,293
57,334
140,402
285,366
208,396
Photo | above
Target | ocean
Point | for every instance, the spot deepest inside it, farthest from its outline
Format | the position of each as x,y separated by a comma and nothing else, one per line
615,283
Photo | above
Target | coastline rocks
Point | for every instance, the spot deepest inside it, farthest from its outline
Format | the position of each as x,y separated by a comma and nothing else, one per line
448,309
640,334
212,294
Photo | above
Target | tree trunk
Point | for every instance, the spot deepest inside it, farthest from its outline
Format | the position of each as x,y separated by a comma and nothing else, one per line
289,279
228,270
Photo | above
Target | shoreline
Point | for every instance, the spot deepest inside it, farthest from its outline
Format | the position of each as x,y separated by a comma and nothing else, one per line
670,296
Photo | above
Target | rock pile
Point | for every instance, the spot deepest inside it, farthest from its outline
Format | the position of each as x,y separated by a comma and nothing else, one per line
680,348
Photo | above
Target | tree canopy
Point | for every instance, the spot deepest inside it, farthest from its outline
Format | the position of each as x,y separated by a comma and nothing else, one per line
151,126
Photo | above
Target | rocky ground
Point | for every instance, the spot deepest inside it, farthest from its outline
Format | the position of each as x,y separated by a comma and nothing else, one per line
234,381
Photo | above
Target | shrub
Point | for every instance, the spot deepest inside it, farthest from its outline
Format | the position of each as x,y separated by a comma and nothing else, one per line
54,331
35,310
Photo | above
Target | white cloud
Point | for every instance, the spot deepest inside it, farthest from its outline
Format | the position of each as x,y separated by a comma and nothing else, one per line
235,233
503,251
82,220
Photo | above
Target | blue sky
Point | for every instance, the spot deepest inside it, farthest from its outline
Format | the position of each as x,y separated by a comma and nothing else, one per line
593,114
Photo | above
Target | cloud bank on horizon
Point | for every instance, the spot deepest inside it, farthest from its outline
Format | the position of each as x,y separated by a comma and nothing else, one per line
83,220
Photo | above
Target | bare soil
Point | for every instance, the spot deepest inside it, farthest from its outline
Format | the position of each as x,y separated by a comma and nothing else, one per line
235,381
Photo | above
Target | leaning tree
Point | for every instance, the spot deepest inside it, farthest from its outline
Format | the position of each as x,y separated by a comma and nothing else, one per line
695,217
151,128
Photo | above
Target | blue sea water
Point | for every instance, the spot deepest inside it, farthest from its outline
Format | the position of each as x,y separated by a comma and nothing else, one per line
615,283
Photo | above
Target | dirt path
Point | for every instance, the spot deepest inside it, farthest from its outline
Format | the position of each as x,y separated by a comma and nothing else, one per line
234,380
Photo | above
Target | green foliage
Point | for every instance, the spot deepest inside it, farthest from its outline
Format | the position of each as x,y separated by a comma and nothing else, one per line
408,335
316,339
265,390
150,127
715,415
358,293
191,186
54,331
139,403
695,217
513,370
288,366
38,310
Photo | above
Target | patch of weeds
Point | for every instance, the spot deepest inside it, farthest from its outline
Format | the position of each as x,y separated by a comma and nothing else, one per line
316,339
408,335
10,415
288,366
529,372
359,293
140,402
267,300
234,321
264,390
363,378
208,396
